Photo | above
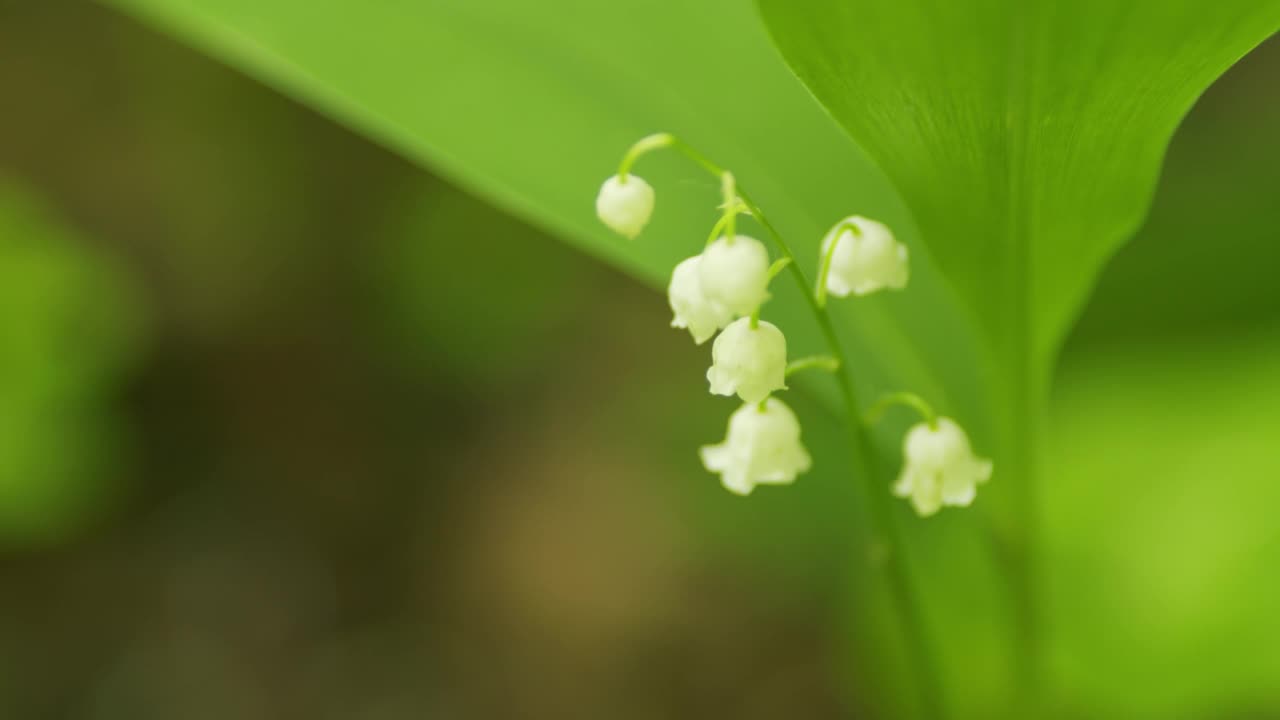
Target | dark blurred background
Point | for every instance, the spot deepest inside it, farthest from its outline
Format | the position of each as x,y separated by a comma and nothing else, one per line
268,449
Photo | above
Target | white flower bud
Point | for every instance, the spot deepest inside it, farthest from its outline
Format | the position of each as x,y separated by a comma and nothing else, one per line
762,447
866,262
625,205
751,362
692,309
735,273
940,468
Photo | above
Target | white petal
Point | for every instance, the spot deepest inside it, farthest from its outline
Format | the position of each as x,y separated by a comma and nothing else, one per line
960,494
906,481
737,482
791,461
926,496
721,381
690,306
714,457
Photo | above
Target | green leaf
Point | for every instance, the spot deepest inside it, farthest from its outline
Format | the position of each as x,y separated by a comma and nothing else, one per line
1211,226
1025,135
531,105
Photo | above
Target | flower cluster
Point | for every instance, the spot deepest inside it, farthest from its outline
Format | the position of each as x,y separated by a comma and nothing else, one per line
721,291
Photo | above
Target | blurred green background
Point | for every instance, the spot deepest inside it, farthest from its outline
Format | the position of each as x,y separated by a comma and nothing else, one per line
268,449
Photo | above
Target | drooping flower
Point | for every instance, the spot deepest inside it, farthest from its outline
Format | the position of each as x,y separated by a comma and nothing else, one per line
625,204
692,309
762,447
748,361
734,272
940,467
864,261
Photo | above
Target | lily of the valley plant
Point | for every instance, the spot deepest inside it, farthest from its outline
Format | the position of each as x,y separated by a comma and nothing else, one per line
722,290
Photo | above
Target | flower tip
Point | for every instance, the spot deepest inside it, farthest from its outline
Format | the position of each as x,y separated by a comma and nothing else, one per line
719,381
925,509
984,469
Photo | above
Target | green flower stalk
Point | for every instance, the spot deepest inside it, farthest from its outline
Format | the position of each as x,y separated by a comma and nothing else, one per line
730,279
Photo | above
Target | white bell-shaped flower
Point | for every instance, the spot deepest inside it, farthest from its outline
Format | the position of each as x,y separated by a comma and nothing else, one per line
749,361
866,261
625,205
734,272
940,467
762,447
692,309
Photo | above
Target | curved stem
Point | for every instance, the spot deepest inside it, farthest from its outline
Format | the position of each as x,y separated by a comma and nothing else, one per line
908,399
824,270
717,228
778,266
729,190
880,508
813,362
724,225
880,511
648,143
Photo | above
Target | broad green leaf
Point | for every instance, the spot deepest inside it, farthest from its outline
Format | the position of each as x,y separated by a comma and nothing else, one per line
531,105
1163,460
1024,135
1026,138
1212,225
